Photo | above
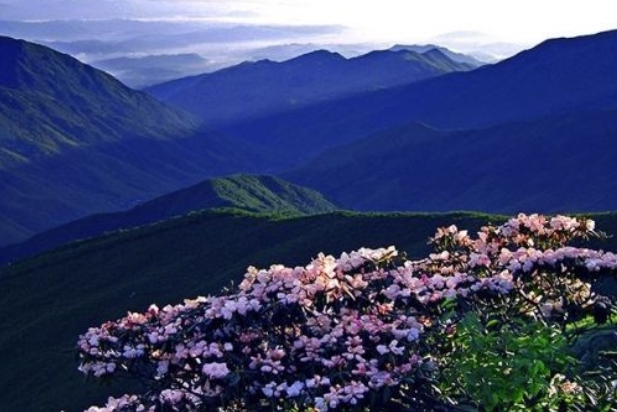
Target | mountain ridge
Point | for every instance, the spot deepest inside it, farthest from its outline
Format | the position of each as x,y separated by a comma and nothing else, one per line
257,194
555,164
423,48
553,78
253,89
60,95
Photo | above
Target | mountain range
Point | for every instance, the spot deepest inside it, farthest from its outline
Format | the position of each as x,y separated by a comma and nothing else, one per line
257,89
556,77
74,141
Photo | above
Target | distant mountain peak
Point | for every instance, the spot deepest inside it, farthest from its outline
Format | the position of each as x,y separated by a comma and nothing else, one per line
439,53
317,55
414,47
452,55
434,50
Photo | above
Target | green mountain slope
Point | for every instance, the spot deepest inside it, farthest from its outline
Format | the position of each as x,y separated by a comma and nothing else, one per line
50,102
75,141
261,194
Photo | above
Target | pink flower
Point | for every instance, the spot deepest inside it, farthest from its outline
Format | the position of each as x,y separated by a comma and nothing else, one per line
215,370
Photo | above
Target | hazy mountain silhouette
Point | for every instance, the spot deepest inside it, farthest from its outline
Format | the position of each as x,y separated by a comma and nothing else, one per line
139,72
556,77
423,48
254,89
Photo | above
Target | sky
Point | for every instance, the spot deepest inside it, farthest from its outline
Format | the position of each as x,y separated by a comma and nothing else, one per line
225,31
520,21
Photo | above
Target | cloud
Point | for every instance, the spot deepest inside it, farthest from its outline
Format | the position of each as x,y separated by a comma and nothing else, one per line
240,13
102,39
526,21
479,44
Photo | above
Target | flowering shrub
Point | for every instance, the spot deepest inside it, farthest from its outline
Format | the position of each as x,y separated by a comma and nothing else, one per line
367,330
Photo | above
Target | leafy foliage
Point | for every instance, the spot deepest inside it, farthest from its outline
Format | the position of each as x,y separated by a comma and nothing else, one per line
506,366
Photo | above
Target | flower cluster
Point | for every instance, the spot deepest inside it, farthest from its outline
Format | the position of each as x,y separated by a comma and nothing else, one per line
344,332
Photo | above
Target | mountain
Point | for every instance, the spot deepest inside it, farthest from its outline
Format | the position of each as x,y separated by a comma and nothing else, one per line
142,71
47,99
51,299
255,89
555,164
556,77
258,194
286,51
75,141
454,56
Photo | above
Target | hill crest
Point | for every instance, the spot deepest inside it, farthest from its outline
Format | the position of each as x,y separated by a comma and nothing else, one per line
249,193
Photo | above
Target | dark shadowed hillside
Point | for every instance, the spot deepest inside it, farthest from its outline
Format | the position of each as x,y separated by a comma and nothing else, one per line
557,164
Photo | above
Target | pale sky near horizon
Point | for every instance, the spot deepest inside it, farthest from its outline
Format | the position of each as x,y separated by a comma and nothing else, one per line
522,23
